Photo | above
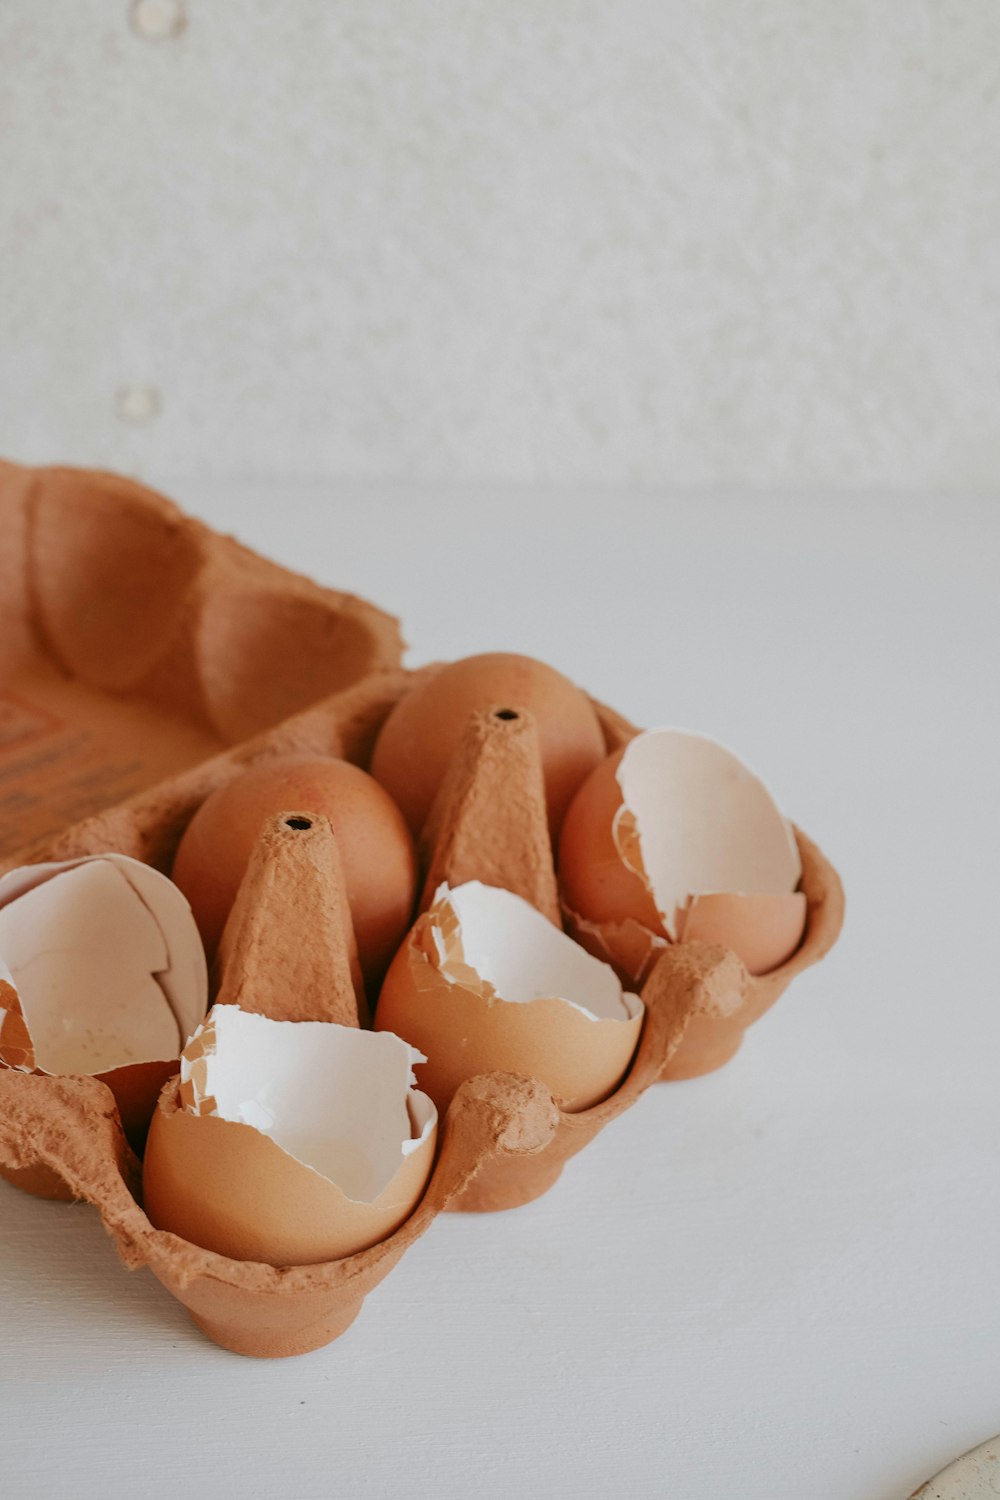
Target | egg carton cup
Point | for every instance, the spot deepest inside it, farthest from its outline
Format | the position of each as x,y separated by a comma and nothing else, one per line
288,952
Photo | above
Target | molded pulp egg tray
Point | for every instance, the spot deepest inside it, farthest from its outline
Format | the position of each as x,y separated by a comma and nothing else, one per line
145,661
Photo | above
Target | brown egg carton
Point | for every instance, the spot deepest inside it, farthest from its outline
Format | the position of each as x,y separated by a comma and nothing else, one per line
287,953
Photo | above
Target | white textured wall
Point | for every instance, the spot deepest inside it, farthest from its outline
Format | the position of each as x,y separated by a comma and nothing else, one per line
657,240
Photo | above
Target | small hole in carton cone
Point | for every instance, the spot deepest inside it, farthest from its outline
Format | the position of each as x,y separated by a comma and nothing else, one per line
506,713
298,822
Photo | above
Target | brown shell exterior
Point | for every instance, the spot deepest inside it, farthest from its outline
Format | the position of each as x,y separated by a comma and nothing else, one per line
463,1029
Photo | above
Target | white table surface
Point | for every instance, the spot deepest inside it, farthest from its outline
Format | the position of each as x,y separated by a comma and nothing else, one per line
778,1281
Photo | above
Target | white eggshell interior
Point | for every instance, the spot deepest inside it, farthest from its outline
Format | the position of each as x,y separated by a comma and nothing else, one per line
184,981
705,823
83,950
338,1099
184,978
524,957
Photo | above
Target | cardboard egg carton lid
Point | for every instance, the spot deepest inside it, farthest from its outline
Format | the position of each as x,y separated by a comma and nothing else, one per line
137,643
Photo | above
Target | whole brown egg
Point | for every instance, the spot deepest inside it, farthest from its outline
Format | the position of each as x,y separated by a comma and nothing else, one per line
420,735
374,843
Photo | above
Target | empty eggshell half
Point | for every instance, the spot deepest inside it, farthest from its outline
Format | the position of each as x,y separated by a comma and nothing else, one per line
102,973
288,1142
676,838
485,983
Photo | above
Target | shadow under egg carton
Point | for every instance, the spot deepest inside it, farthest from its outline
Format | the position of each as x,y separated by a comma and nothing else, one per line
286,954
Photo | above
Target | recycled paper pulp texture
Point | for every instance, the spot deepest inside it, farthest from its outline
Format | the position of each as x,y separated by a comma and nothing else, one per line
86,1014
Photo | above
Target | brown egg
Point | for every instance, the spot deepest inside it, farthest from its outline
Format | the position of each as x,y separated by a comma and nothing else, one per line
673,839
420,735
486,984
288,1142
372,837
102,973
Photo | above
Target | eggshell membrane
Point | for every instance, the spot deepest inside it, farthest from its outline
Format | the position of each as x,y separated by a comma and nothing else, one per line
421,734
374,842
701,823
439,994
288,948
714,821
59,923
84,952
184,978
247,1190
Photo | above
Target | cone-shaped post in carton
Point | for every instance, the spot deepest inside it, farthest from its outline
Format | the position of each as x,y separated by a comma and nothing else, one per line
288,950
488,821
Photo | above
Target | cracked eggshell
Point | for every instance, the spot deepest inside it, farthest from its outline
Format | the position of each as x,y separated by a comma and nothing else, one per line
421,734
485,983
288,1142
372,837
102,973
673,839
762,929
